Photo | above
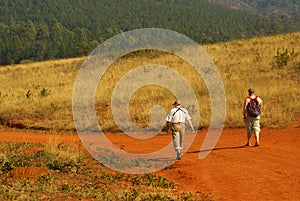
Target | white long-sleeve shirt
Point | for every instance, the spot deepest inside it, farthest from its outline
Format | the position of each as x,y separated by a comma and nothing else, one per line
178,114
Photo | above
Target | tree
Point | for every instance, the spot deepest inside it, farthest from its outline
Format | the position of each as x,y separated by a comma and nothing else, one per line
4,42
41,43
81,42
56,38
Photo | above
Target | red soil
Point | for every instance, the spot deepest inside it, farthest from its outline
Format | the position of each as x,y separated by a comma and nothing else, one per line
230,172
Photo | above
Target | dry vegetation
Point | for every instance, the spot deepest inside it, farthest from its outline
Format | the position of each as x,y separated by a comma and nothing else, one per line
39,95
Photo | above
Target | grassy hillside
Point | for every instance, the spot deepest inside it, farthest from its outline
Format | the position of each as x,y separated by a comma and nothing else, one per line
39,95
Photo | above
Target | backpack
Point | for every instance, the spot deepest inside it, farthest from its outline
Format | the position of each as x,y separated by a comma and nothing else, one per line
253,107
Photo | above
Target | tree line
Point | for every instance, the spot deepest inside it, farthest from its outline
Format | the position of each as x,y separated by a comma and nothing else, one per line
37,30
24,41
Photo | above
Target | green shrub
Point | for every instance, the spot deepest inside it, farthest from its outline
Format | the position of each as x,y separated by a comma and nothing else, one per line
64,166
283,57
14,155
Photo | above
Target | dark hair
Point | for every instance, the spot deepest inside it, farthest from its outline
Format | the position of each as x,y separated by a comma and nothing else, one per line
251,91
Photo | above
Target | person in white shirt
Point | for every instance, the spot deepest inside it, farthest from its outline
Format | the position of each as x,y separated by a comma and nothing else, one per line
176,121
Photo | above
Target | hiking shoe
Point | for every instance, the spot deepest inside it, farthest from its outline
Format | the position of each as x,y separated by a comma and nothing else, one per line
178,156
247,145
256,145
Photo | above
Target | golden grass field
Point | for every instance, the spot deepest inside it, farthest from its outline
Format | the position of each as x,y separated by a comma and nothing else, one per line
38,96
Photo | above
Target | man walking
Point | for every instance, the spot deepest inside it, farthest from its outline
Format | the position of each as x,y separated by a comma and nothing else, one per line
251,111
176,119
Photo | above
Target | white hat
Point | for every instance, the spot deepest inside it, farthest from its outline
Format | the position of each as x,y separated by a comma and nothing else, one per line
176,102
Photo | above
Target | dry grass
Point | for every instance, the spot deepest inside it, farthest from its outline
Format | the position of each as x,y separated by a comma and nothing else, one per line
39,95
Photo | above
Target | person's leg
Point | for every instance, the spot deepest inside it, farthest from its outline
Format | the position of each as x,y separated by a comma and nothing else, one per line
249,130
178,154
256,139
176,138
248,139
256,128
181,134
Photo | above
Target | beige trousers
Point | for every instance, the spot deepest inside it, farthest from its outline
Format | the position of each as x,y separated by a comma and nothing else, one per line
177,135
253,125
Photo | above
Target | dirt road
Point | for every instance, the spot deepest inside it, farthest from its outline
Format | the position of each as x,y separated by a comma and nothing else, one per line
230,172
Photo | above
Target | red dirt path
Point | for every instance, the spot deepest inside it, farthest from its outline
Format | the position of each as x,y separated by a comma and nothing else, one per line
230,172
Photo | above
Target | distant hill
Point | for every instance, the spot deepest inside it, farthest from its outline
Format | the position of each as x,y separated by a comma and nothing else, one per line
263,7
49,29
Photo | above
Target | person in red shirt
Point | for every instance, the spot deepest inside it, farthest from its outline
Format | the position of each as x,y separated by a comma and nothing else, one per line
252,120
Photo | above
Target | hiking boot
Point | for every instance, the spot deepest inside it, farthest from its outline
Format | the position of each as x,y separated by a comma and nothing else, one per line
178,156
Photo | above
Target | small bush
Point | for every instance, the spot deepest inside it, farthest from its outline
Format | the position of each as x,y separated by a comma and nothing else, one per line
26,61
283,57
44,92
66,167
6,166
45,179
15,155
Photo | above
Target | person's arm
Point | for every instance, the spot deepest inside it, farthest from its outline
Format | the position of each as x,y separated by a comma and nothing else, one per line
260,103
191,125
168,126
245,107
188,119
168,121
